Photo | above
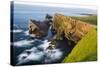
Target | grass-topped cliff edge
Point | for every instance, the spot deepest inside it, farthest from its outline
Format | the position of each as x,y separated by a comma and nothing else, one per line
85,49
81,30
92,19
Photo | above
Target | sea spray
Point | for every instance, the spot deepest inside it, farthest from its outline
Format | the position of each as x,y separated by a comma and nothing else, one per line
44,55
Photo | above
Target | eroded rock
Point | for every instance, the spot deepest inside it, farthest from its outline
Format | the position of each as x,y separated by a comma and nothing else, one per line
39,28
72,29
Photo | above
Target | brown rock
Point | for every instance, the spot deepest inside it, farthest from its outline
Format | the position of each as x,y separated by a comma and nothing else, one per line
72,29
39,28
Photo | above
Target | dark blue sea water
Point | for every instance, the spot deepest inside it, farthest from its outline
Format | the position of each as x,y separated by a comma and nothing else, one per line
28,50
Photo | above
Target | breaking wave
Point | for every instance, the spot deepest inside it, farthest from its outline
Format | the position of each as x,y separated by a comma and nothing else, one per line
40,53
23,43
17,31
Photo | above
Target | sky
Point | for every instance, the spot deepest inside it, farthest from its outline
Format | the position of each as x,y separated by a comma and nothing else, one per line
91,4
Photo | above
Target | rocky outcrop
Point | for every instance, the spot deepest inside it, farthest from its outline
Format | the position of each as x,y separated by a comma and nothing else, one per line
69,35
40,28
72,29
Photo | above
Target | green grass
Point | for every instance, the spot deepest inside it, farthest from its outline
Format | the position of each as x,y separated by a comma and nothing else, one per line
92,19
85,50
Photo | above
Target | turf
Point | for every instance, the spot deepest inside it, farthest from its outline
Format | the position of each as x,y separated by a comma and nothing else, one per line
92,19
85,49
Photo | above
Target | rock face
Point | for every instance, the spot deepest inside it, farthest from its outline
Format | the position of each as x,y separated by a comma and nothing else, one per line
39,28
72,29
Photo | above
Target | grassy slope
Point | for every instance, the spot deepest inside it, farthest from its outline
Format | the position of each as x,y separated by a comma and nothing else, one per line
85,50
90,19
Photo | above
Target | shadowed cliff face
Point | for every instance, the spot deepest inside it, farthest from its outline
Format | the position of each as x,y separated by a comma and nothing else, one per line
72,29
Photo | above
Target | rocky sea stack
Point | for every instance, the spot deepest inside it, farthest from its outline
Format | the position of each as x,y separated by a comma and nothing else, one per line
39,28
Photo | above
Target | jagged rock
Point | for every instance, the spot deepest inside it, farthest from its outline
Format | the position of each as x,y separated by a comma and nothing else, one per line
39,28
72,29
48,16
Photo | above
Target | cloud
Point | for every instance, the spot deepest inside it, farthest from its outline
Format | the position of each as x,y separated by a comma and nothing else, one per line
90,4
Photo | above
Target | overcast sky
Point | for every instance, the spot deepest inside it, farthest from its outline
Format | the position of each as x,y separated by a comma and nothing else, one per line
91,4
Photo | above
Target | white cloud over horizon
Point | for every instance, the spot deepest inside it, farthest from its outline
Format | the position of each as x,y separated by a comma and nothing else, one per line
90,4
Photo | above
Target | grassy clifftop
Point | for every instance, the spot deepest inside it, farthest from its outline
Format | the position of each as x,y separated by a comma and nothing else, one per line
90,19
85,50
78,30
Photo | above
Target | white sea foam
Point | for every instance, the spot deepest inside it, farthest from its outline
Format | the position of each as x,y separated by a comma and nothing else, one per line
34,49
34,54
52,55
27,34
17,31
20,57
32,35
44,45
23,43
